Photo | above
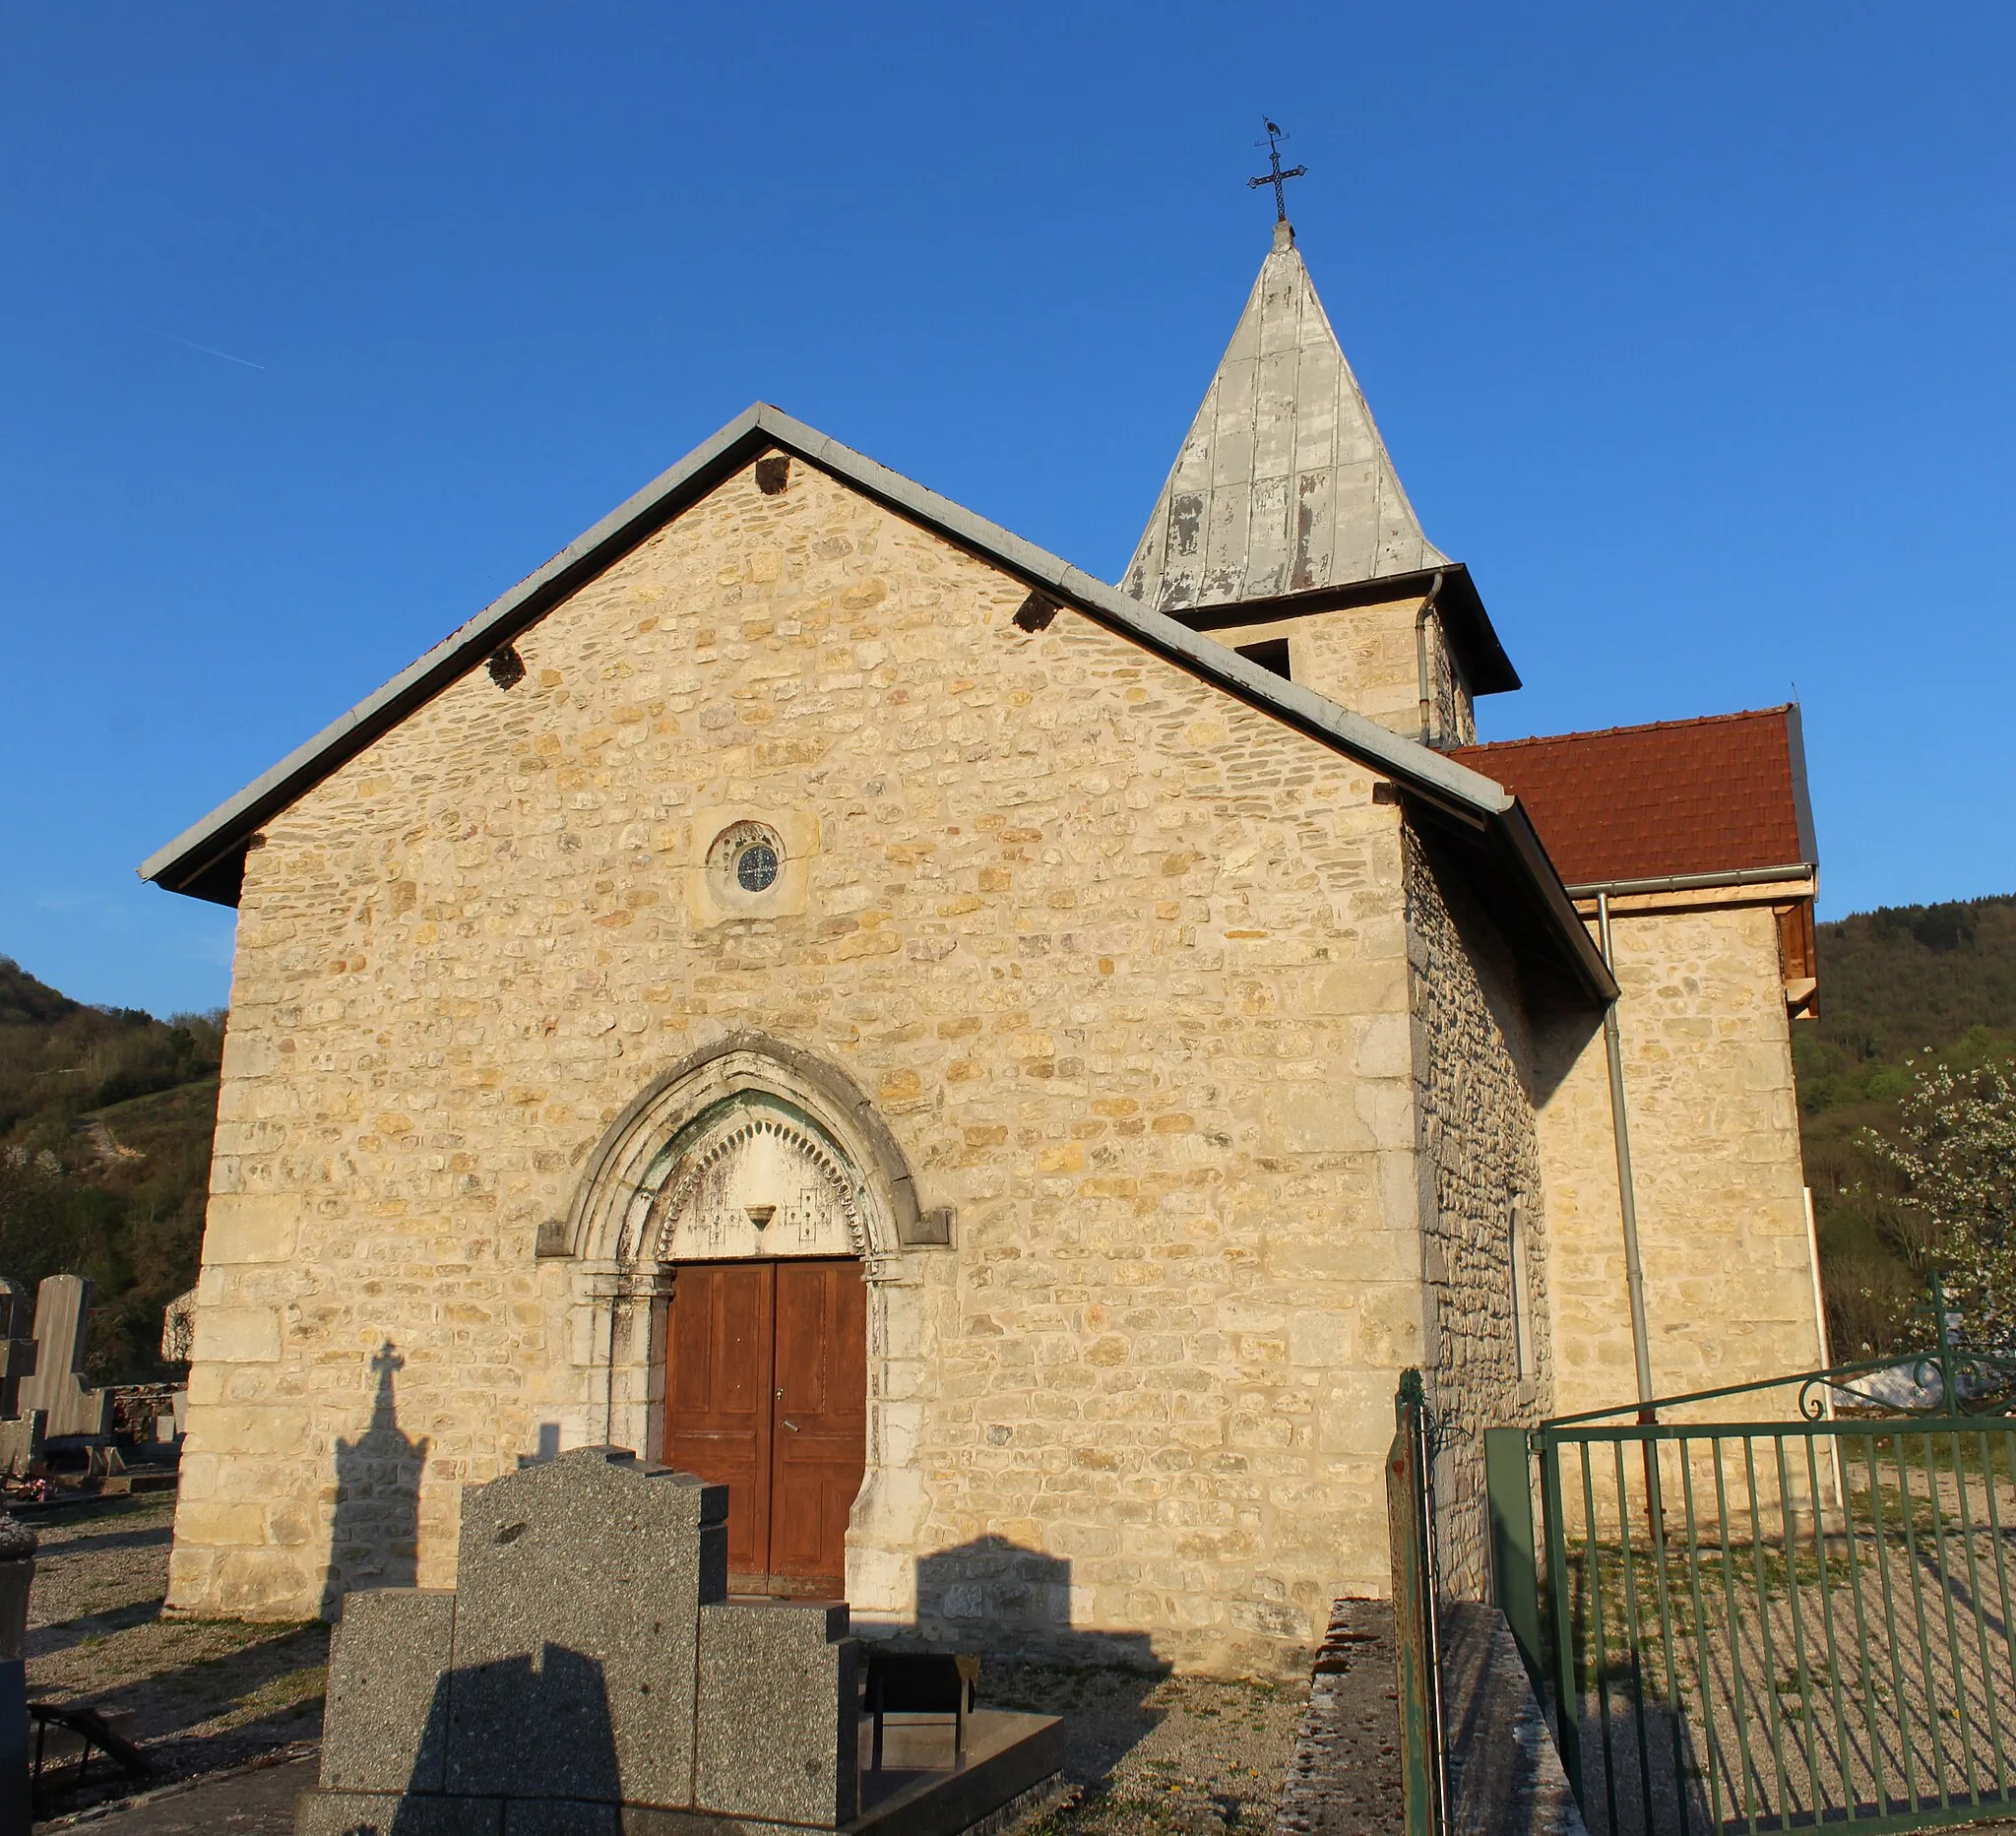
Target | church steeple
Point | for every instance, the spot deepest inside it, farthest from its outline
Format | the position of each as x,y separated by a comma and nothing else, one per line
1282,484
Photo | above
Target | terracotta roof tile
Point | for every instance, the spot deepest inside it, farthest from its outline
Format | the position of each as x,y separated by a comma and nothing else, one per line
1710,796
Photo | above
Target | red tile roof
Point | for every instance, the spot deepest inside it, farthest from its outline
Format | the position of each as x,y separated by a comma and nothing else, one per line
1711,795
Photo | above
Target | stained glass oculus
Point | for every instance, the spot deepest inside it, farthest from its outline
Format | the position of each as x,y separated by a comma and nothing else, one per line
756,868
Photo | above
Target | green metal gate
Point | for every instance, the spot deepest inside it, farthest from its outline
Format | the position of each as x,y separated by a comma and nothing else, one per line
1758,1624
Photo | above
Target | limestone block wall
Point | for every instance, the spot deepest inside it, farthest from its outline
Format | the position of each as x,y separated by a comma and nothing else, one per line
1479,1158
1121,963
1365,657
1715,1142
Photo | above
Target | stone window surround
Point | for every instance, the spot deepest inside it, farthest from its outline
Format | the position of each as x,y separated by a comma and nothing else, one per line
620,1293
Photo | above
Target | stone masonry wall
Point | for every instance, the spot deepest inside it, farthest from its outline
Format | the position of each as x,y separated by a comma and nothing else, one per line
1364,657
1714,1124
1479,1157
1121,962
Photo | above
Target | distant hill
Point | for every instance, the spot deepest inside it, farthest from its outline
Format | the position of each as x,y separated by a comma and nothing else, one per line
1899,980
106,1122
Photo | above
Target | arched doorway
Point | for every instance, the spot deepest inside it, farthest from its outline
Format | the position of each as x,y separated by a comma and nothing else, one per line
766,1393
766,1380
753,1151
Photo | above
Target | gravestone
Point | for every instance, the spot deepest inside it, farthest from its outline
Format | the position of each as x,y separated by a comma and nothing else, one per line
16,1575
178,1329
17,1345
56,1387
21,1435
588,1668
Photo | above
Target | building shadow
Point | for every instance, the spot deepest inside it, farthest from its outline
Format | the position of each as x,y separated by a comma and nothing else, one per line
513,1728
375,1530
1012,1607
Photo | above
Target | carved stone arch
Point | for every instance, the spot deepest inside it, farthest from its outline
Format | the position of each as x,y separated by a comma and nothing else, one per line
696,1105
750,1176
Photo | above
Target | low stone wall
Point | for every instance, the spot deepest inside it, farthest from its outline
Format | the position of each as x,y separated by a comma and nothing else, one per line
1343,1778
1505,1777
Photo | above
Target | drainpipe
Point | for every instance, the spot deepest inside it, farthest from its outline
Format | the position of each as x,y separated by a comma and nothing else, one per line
1627,1198
1420,656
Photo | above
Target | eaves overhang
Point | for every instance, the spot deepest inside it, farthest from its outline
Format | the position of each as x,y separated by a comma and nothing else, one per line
207,860
1472,638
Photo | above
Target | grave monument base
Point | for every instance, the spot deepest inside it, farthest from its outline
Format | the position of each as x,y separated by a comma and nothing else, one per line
590,1676
1012,1765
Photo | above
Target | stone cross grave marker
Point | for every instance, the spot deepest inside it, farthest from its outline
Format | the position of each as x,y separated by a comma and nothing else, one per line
58,1386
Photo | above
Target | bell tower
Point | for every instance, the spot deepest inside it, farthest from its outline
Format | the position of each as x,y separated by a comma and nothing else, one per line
1283,531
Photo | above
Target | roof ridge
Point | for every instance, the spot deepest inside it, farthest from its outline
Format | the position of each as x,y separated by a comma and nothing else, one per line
1642,726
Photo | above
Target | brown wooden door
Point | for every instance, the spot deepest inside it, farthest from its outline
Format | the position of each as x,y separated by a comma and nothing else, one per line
766,1392
819,1430
717,1403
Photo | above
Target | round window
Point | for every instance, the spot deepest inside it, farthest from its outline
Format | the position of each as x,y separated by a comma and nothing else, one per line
756,866
745,861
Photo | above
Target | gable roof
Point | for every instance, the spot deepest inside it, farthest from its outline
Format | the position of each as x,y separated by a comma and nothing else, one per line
207,860
1673,800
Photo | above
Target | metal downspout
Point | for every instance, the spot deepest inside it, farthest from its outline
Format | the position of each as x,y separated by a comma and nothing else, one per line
1420,656
1627,1197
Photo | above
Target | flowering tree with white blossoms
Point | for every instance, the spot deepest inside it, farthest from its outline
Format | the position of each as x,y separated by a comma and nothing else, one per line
1954,1160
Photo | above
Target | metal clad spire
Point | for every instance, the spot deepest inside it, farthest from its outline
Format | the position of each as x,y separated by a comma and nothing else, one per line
1282,483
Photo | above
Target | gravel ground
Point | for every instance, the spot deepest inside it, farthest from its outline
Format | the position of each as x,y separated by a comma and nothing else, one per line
197,1695
1152,1754
1144,1753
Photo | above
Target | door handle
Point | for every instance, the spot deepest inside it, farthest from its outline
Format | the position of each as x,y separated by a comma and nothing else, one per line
790,1423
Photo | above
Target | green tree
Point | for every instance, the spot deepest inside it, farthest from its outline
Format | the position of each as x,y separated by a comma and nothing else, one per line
1953,1160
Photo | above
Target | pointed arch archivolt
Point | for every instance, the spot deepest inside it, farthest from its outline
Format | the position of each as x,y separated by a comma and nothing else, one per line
751,1175
747,1124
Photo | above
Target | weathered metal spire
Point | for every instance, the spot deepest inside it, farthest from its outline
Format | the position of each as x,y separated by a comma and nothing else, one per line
1282,484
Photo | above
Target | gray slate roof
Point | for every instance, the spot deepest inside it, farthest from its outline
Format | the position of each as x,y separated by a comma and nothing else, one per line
1282,484
207,860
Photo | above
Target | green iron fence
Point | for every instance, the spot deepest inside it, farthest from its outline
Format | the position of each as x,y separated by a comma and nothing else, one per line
1416,1619
1764,1623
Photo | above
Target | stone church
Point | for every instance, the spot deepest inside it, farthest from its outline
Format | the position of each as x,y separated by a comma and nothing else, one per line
1002,1070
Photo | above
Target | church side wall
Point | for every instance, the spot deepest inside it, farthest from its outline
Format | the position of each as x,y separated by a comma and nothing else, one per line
1120,963
1479,1157
1718,1172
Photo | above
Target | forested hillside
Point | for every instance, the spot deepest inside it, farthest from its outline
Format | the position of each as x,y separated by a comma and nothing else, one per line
1898,982
106,1119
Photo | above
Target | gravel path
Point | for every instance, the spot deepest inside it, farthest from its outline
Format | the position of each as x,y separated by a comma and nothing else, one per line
1157,1754
1146,1753
199,1695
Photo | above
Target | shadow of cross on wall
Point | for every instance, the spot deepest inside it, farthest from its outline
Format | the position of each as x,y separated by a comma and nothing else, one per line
374,1534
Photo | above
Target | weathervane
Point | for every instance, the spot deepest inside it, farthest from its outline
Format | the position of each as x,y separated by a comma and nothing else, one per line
1276,178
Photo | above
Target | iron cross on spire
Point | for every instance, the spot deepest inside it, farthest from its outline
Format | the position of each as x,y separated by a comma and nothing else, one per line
1276,178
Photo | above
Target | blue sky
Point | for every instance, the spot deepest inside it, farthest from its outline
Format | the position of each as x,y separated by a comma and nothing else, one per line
1689,330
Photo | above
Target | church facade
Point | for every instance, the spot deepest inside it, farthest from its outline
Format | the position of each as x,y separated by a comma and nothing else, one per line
1002,1070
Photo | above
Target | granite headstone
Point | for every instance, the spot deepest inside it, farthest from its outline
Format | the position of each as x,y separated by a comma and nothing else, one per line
587,1672
17,1577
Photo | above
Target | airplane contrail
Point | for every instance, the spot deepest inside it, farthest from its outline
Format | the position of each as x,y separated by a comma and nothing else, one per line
208,349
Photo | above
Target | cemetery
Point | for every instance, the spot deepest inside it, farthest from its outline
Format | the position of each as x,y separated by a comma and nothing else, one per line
592,1670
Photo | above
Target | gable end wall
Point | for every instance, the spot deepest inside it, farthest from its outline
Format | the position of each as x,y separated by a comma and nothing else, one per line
1121,962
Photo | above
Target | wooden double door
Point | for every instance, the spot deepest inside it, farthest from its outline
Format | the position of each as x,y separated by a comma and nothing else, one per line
767,1393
